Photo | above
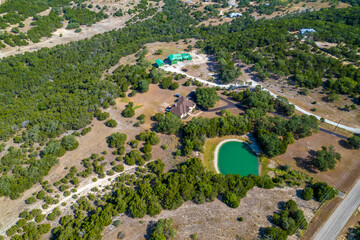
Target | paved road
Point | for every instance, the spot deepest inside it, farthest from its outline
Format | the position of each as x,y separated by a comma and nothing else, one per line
337,221
177,69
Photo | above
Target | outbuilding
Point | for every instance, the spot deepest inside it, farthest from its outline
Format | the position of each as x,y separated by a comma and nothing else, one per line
175,58
159,63
304,31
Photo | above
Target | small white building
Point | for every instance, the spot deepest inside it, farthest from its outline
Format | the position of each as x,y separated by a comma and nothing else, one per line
234,15
304,31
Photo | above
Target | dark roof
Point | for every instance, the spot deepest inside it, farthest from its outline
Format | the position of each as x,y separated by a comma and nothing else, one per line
182,106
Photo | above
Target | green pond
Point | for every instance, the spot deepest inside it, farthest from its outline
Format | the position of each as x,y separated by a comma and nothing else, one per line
238,158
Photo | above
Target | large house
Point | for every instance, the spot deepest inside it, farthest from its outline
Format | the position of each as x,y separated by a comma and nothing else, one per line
183,107
175,58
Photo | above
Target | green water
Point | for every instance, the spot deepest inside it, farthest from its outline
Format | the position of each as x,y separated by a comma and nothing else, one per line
237,158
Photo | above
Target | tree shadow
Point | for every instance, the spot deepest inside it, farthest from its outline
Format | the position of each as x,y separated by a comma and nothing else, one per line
344,144
149,228
305,163
351,234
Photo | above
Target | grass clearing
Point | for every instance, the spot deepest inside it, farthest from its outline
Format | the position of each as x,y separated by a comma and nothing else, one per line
264,166
138,106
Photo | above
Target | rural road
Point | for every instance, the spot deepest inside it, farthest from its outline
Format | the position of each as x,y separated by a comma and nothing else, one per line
337,221
177,69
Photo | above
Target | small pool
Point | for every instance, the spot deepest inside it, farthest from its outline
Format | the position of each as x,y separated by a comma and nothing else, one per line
237,158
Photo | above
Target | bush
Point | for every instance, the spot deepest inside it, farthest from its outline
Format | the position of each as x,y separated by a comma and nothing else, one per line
111,123
39,218
30,200
307,193
128,112
354,141
231,199
116,223
116,140
69,142
119,168
164,146
323,192
147,148
41,194
85,131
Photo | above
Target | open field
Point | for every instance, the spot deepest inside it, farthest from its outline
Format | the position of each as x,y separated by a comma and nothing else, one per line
298,156
300,7
214,220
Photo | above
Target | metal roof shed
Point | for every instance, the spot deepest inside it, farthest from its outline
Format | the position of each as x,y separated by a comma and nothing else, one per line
159,63
186,56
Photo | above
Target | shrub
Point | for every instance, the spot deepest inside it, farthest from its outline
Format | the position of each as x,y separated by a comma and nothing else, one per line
85,131
128,112
116,223
307,193
39,218
69,142
111,123
119,168
116,140
30,200
354,141
164,147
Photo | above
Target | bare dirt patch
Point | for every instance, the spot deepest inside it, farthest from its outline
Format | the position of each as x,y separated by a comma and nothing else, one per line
215,220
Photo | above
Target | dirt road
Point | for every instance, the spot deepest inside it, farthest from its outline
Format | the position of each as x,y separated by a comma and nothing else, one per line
337,221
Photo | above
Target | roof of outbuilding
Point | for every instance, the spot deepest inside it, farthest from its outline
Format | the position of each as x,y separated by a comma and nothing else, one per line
175,56
159,61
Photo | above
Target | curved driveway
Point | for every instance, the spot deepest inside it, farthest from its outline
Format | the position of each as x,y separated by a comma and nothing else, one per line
176,69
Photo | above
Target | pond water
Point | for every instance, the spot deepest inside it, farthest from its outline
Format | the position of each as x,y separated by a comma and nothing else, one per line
238,158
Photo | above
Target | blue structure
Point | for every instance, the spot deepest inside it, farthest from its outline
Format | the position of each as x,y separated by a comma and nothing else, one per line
304,31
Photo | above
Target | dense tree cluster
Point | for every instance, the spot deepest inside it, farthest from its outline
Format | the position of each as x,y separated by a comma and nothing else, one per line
197,130
163,229
275,133
325,158
152,193
206,97
168,124
289,220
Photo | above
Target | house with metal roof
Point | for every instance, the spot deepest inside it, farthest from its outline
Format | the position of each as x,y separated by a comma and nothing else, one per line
304,31
159,63
175,58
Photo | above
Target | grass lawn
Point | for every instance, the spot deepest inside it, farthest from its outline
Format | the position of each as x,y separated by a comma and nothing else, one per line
209,149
